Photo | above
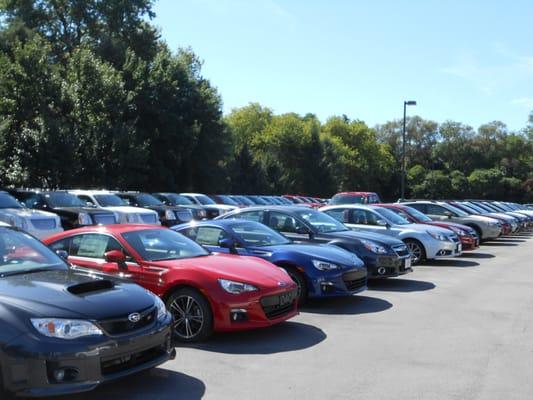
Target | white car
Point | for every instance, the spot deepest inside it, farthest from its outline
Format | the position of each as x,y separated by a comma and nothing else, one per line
40,224
106,200
424,242
203,200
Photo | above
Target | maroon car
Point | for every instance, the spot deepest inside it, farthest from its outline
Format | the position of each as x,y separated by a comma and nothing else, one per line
468,236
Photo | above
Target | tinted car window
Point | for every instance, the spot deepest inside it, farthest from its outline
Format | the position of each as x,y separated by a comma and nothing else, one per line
320,221
337,213
146,200
255,234
433,209
256,216
209,235
348,199
93,245
62,199
420,207
109,200
284,222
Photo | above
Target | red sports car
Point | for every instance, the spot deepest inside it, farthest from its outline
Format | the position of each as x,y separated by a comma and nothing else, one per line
205,292
468,236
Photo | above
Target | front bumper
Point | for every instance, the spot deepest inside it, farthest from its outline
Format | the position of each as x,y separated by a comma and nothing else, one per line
469,242
389,266
29,362
343,283
251,313
436,249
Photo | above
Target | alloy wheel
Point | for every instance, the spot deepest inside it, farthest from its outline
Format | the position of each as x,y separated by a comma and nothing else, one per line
188,316
416,252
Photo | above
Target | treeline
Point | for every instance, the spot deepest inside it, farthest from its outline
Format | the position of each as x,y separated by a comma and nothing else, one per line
90,96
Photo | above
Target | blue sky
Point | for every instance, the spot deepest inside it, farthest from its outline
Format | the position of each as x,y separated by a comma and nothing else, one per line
469,61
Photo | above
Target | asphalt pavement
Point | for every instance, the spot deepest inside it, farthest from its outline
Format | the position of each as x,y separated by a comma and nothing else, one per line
453,329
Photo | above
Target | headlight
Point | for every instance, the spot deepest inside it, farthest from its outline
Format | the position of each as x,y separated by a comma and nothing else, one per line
84,219
161,308
65,328
438,236
169,215
236,287
373,247
324,265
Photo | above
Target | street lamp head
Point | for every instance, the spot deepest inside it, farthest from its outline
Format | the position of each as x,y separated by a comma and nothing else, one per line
410,103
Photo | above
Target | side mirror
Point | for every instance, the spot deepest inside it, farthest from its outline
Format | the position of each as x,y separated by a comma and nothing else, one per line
449,214
303,230
91,204
228,244
116,256
382,222
62,254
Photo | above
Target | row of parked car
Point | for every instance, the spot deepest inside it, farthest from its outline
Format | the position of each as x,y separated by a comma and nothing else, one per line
73,313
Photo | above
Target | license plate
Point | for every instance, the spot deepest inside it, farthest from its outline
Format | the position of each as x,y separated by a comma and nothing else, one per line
407,263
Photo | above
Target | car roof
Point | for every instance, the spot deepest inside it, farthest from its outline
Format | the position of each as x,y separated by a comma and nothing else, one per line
357,193
115,228
354,206
268,207
82,191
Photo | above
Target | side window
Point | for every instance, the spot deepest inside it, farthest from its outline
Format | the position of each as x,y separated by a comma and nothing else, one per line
63,244
127,200
256,216
433,209
190,233
93,245
359,217
85,198
32,200
337,213
420,207
284,223
209,235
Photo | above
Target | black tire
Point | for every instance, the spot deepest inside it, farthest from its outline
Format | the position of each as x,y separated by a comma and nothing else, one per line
418,253
478,231
299,279
193,317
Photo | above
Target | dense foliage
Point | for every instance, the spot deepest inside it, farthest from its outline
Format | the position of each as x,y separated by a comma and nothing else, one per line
90,96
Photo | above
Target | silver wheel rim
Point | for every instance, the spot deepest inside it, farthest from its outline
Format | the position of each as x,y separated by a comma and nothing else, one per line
416,252
188,316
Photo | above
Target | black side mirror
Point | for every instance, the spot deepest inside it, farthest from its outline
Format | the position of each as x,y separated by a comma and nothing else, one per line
449,214
228,244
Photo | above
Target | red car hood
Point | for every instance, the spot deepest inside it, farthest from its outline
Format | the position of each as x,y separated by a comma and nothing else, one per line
252,270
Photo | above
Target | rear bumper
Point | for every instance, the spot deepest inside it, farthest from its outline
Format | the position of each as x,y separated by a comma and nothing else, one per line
29,362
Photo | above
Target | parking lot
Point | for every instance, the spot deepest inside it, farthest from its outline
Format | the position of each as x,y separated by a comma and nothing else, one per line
453,329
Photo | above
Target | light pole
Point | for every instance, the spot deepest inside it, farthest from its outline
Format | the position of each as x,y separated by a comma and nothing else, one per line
405,104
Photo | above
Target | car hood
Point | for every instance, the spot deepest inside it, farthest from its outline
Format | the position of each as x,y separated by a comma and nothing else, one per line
322,252
52,294
251,270
27,212
357,234
129,209
423,228
482,218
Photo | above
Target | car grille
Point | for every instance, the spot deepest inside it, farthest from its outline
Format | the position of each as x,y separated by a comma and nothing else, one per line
112,365
354,281
119,326
279,305
44,224
149,218
184,215
401,250
104,219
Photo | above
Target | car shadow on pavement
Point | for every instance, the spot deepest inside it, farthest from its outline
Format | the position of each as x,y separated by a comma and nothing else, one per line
155,384
350,305
451,262
477,255
511,240
284,337
499,244
400,285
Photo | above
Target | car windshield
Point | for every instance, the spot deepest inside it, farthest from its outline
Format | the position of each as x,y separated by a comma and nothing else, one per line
391,216
163,244
348,199
20,253
8,201
244,200
256,234
177,199
227,200
203,199
109,200
320,221
147,200
476,208
464,208
62,199
419,216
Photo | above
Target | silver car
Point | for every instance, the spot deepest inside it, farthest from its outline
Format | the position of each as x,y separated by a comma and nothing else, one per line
40,224
425,242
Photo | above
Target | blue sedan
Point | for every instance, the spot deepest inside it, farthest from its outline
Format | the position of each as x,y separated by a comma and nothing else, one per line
318,270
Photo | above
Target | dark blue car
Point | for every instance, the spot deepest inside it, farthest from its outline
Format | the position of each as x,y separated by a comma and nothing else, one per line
384,256
318,270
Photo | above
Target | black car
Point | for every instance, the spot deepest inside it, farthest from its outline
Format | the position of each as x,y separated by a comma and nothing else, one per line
383,256
73,212
64,331
176,200
168,215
